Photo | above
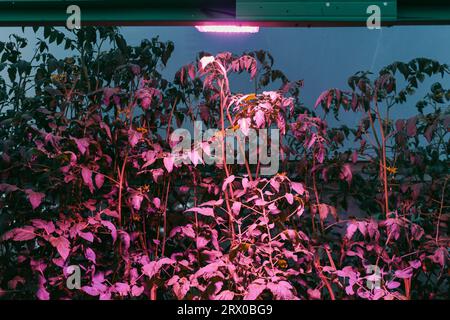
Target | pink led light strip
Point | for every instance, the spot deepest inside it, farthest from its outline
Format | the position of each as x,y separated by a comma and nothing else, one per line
228,29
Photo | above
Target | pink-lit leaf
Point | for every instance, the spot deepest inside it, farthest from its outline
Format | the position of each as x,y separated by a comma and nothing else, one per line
136,200
88,236
35,198
153,267
346,173
244,125
298,187
82,144
90,255
225,295
7,188
48,226
168,163
122,288
136,291
393,285
21,234
289,197
42,294
201,242
351,229
209,212
415,264
314,294
282,290
323,211
259,118
254,290
90,290
87,178
99,180
227,181
236,208
440,256
134,137
322,97
157,202
404,274
111,213
62,245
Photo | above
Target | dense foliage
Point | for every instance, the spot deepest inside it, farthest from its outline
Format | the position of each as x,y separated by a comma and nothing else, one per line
88,179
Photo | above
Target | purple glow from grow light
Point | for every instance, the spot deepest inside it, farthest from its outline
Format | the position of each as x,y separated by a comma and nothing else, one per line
228,29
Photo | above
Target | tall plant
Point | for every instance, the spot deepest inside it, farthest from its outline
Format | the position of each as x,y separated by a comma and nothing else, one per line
89,179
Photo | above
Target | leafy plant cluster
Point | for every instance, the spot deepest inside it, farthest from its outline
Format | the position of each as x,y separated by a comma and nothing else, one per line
88,179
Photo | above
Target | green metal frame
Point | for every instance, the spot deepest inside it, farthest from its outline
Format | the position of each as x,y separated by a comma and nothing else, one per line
260,12
313,10
113,11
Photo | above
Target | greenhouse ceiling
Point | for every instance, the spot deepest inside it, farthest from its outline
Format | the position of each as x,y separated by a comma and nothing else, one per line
257,12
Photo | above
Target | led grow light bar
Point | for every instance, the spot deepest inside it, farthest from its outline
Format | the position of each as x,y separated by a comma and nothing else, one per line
228,29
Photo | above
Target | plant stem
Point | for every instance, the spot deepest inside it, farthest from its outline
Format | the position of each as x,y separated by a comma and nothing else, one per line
165,219
440,210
